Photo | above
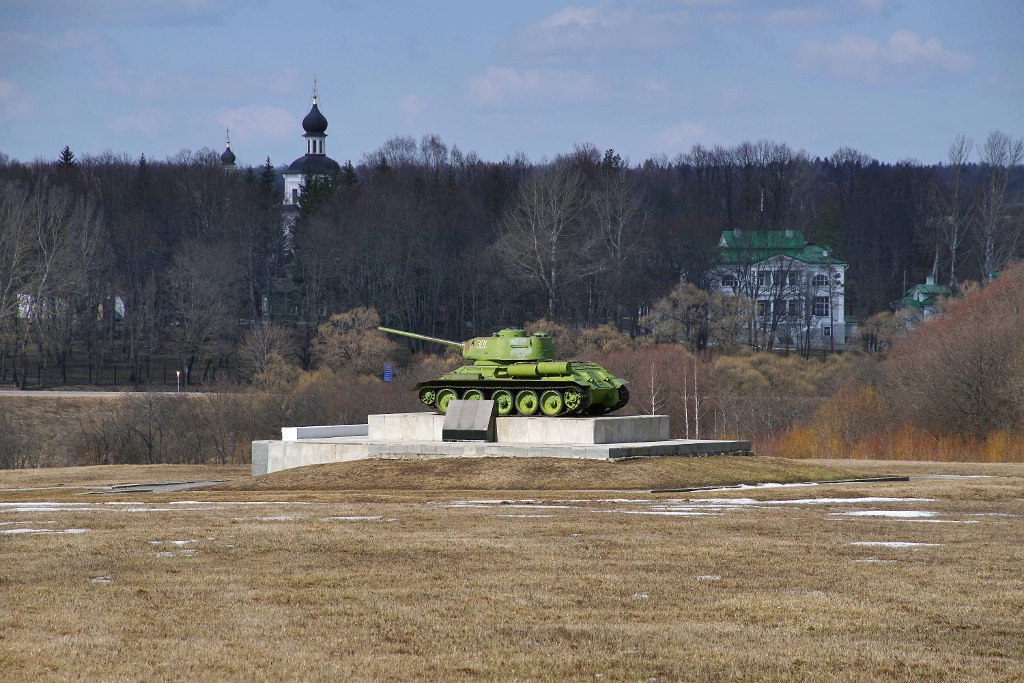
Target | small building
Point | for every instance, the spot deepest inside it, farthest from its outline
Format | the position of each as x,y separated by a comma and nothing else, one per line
798,288
923,299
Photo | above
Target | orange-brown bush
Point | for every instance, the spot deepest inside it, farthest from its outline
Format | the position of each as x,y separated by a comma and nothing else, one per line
962,373
952,388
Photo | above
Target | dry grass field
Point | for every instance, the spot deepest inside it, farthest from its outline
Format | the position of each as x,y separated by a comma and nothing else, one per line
349,572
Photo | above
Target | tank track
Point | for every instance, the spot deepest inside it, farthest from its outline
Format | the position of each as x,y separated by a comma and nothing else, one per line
513,388
488,390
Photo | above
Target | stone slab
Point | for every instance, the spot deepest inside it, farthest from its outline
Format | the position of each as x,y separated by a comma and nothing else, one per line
406,427
469,421
274,456
322,431
528,430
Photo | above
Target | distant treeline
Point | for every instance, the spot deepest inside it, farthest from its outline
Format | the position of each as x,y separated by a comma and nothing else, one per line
139,264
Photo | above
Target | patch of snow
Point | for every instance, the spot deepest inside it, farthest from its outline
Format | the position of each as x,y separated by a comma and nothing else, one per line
642,595
764,485
351,518
668,513
281,518
708,577
101,579
903,514
895,544
954,476
874,560
52,509
42,531
240,502
941,521
527,516
504,505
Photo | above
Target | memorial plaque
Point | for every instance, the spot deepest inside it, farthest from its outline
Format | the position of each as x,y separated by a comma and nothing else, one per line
469,421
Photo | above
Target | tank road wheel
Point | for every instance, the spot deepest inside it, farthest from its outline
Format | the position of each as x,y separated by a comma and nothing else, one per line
473,395
503,399
428,396
526,402
551,403
573,400
444,397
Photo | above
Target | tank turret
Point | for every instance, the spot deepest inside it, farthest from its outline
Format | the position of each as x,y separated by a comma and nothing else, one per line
507,346
519,372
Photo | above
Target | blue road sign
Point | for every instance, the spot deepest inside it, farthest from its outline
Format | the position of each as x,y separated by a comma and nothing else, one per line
387,372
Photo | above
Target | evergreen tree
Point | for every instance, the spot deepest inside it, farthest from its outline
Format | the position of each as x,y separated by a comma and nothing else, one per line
348,175
67,158
268,177
611,161
316,190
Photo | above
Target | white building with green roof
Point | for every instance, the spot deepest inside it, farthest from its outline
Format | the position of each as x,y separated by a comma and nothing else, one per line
798,288
924,299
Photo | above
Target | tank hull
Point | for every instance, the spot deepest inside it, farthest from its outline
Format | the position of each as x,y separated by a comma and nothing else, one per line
573,389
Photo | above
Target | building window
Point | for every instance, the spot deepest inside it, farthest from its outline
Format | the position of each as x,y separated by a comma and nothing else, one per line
295,195
764,307
731,281
793,278
321,146
793,308
821,306
764,278
826,331
820,280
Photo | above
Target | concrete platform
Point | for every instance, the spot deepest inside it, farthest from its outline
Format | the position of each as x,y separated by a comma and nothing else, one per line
417,436
528,430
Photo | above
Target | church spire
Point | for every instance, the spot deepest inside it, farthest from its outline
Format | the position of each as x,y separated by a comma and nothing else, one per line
315,125
228,157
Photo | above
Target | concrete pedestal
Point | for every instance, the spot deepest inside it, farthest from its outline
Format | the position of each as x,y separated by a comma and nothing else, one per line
418,436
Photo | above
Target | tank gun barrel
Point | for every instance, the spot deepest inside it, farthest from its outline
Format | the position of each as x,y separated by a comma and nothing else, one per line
421,337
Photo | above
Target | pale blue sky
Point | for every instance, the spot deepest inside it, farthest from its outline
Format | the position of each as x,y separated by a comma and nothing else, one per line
895,79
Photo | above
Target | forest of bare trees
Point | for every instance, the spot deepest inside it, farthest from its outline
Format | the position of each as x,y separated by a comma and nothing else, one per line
127,269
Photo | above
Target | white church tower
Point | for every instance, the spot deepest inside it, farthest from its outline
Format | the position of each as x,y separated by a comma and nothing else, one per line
315,161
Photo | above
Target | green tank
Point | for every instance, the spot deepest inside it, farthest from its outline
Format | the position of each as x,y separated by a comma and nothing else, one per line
518,372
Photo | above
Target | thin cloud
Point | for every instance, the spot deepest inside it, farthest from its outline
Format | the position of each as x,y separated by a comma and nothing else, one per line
257,121
904,53
682,135
412,105
148,122
502,85
16,106
733,97
609,26
797,17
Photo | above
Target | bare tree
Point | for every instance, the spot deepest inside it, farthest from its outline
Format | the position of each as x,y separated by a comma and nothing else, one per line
998,228
621,215
956,220
200,284
543,238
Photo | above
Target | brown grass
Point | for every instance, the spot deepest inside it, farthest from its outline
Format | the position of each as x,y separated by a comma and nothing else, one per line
539,474
280,591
